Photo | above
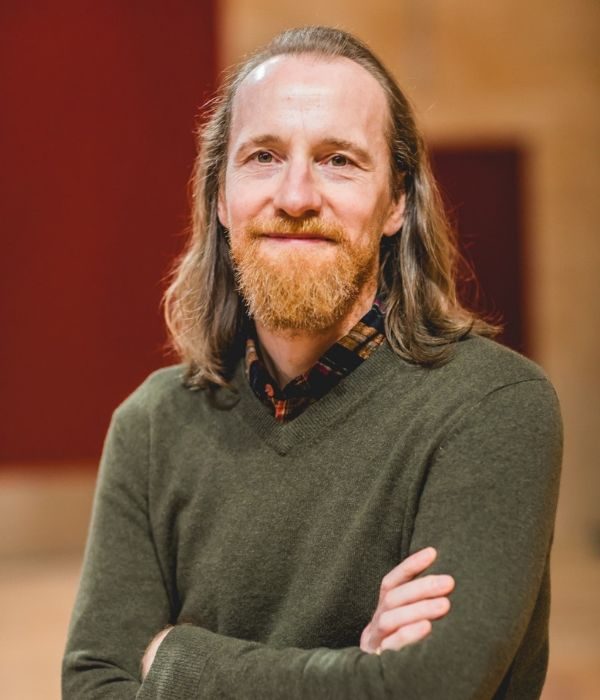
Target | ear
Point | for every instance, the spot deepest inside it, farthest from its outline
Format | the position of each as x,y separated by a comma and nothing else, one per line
222,208
395,216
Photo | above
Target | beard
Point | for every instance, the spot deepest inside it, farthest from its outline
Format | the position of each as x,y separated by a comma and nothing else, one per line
299,288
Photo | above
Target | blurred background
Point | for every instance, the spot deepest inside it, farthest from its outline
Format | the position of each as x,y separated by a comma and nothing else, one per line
96,137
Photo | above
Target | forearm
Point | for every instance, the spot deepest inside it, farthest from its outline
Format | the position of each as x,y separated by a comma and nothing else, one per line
195,663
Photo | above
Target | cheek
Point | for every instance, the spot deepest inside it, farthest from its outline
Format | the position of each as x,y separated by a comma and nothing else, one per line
246,201
362,203
366,219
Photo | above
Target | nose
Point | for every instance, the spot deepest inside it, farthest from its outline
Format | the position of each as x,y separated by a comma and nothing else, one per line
298,193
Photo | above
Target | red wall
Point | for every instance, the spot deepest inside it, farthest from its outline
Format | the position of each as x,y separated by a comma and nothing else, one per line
98,107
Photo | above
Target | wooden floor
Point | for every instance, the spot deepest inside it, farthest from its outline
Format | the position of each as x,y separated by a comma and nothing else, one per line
36,597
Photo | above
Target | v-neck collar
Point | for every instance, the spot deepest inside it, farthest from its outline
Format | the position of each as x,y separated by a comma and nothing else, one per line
320,416
337,362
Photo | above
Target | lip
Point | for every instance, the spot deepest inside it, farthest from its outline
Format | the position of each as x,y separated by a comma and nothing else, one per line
308,237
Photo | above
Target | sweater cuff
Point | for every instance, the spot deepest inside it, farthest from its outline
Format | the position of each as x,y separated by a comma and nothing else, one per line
179,664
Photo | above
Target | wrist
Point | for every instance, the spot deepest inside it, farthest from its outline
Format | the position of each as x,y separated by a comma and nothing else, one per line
152,649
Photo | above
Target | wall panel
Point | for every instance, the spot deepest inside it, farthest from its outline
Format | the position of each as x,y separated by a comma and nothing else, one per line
99,101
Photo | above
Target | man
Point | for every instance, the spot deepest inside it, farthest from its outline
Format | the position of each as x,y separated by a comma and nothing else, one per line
265,511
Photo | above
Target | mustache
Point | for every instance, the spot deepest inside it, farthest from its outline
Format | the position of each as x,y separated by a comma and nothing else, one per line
280,226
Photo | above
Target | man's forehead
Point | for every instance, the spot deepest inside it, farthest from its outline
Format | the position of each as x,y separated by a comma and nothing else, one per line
299,82
307,68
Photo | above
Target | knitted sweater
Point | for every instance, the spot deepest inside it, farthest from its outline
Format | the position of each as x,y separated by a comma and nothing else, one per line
266,542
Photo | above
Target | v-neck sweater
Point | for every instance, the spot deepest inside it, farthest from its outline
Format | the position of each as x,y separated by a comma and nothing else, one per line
265,543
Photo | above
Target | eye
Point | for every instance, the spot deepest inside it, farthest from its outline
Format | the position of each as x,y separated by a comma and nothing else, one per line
339,161
264,157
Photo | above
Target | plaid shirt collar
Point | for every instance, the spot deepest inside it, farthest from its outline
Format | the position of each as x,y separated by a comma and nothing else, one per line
338,361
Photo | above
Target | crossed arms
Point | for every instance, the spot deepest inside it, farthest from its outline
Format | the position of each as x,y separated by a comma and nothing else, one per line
495,543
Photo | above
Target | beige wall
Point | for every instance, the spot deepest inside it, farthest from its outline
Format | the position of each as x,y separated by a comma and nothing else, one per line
504,70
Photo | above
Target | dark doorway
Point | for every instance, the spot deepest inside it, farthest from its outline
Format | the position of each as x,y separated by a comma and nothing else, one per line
482,188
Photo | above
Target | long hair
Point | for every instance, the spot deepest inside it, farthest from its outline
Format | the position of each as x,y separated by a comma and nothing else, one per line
204,313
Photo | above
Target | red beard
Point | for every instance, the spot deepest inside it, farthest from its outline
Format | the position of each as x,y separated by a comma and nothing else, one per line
304,287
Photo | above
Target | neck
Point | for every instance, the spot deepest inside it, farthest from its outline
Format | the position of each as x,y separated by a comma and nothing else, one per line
289,353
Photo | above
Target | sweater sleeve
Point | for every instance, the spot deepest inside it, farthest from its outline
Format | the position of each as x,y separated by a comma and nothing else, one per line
487,503
122,601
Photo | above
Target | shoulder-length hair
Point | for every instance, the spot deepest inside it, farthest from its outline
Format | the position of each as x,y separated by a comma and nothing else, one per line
204,312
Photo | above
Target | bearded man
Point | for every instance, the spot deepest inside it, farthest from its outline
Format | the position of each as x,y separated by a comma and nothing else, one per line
342,454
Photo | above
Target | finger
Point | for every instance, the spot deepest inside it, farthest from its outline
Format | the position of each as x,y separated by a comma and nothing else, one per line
391,620
409,568
406,635
432,586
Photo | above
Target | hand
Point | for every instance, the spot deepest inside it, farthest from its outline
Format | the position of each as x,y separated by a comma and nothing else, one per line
151,650
407,604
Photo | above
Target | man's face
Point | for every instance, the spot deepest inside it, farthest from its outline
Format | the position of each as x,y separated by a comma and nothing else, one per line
306,193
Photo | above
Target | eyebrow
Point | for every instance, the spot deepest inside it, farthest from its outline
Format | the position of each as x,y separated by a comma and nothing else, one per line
329,142
257,141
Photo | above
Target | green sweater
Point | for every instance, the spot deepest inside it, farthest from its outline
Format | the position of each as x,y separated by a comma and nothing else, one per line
270,540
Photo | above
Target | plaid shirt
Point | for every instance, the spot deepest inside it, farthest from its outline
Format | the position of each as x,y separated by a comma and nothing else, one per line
337,362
